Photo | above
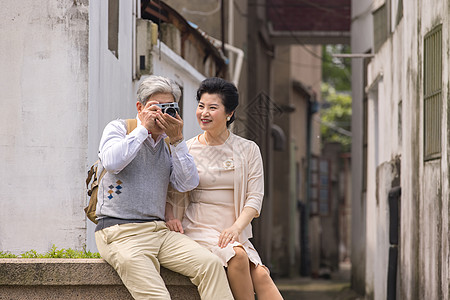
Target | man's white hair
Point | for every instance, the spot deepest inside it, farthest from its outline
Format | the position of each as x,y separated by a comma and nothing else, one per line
157,85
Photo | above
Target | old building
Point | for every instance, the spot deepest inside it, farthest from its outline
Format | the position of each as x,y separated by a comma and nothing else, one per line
400,149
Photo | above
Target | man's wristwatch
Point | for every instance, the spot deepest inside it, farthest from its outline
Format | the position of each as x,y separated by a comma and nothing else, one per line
177,142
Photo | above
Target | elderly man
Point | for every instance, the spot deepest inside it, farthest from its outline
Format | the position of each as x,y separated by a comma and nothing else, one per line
131,234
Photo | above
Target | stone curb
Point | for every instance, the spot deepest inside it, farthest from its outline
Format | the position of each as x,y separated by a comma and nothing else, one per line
75,279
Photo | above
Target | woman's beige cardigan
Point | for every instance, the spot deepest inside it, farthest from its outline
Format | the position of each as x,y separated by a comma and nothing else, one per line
248,181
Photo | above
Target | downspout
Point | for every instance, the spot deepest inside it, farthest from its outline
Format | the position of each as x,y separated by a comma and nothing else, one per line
133,41
217,43
305,268
231,31
222,25
239,59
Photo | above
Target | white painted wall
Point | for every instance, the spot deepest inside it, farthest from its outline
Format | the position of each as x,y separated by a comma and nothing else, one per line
43,132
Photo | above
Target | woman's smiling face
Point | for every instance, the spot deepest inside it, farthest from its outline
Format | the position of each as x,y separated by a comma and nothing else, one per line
211,114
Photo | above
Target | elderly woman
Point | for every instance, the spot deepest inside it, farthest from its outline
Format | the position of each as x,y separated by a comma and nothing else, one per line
218,213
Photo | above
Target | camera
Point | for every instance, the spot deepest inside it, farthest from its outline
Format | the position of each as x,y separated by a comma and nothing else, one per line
169,108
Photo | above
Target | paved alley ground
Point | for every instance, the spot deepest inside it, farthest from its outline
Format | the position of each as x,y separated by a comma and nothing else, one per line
336,288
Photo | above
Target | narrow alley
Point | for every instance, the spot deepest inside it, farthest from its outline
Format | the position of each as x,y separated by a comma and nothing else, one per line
337,287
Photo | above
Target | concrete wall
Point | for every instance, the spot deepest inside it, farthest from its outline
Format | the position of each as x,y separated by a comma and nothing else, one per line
361,42
44,134
281,247
396,81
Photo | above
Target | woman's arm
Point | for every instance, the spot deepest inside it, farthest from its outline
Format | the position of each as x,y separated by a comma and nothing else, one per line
252,202
231,234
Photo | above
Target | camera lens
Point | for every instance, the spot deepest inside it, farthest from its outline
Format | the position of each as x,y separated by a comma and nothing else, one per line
171,111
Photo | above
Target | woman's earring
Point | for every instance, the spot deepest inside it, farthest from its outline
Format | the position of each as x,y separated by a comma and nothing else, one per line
228,118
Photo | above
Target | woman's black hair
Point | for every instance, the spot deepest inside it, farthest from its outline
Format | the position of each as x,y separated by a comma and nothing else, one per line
226,91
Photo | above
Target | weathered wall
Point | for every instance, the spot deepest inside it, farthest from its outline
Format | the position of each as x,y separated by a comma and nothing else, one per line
396,129
384,87
44,96
433,267
411,157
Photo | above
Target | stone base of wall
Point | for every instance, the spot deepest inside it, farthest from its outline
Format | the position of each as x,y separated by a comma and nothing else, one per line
53,278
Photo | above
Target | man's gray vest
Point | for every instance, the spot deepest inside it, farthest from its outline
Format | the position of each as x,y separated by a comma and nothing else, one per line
138,192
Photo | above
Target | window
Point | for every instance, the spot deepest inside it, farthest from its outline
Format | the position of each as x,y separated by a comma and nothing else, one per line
380,26
113,27
320,187
432,89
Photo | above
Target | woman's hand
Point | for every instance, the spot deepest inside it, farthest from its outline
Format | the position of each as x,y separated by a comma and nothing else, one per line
229,235
175,225
172,223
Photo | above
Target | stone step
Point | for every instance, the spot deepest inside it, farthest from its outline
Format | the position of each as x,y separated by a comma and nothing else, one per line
60,278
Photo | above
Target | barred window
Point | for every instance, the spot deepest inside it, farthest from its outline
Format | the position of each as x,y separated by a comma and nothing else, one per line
432,93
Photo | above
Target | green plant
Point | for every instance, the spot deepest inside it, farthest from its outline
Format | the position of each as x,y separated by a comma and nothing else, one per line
336,118
7,255
53,253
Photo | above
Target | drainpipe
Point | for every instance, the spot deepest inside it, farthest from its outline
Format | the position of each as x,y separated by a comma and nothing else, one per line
231,31
222,25
239,53
239,59
305,268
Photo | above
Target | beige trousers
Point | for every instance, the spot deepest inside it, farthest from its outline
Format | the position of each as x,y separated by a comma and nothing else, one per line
137,250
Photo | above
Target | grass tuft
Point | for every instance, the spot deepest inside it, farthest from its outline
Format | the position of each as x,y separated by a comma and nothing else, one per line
53,253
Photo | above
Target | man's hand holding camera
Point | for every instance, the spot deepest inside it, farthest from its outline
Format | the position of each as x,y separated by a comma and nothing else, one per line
148,115
173,127
157,122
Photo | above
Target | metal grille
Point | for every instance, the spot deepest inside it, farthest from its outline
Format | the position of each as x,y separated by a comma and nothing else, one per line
432,93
